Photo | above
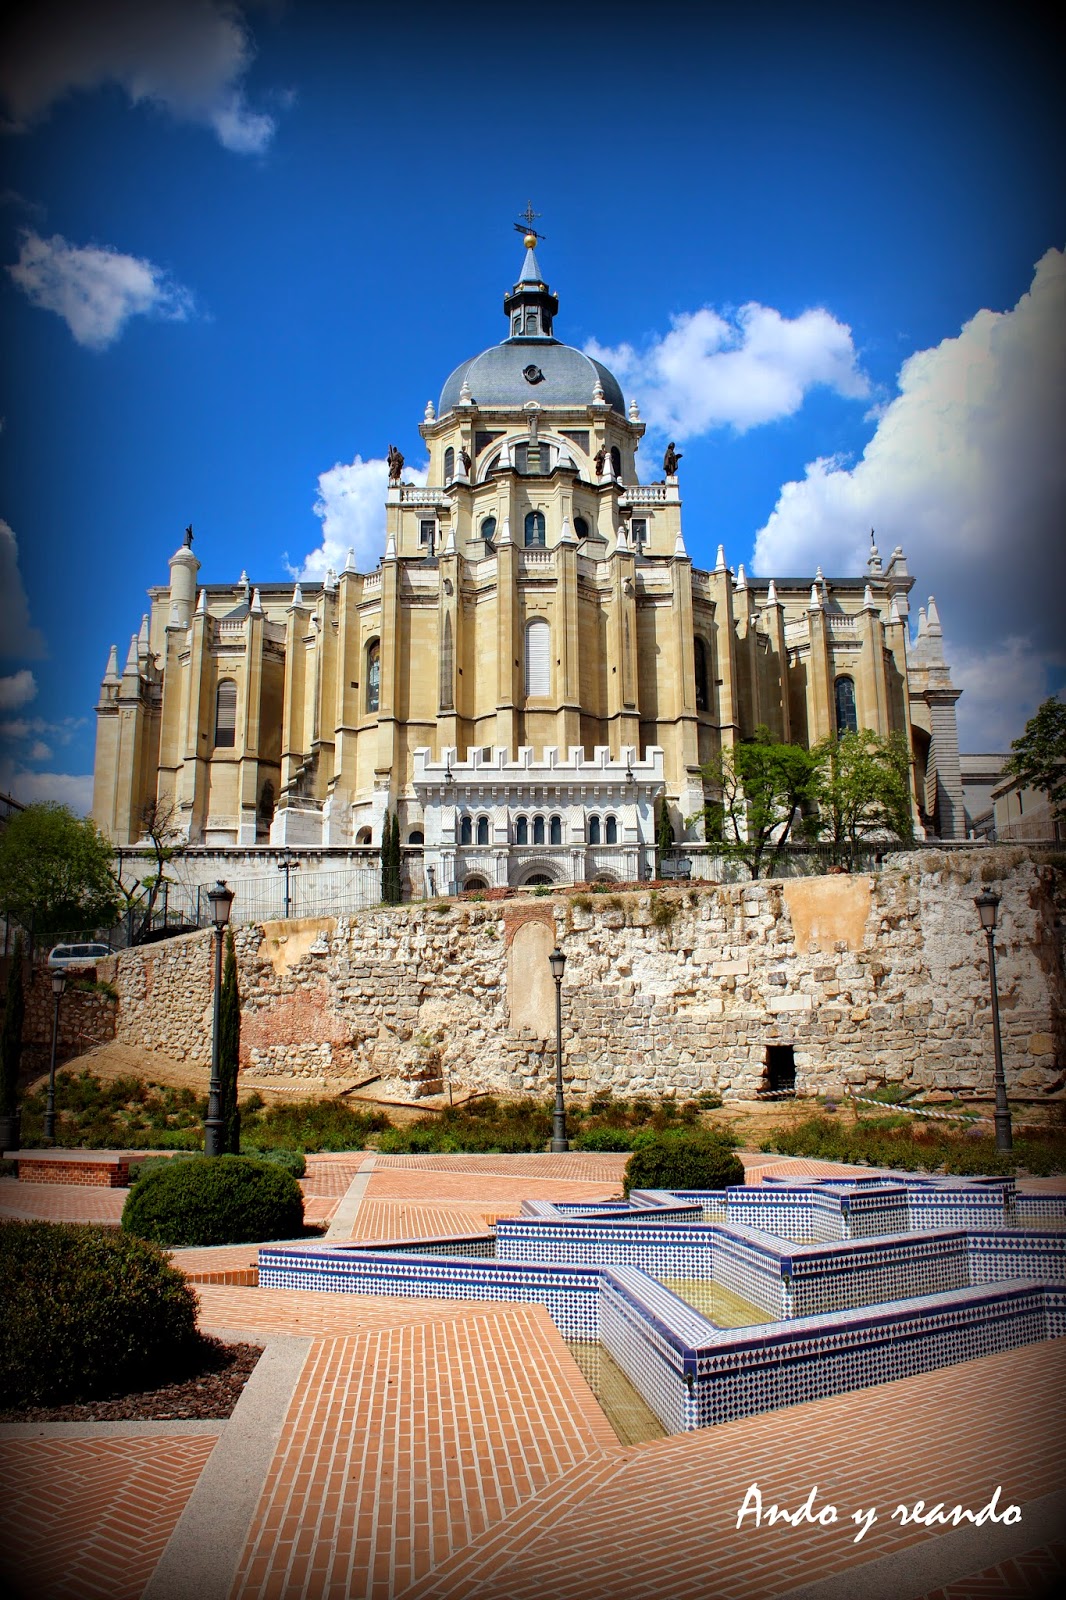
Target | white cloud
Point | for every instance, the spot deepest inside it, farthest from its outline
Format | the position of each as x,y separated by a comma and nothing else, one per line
17,636
351,504
735,369
94,288
16,690
69,789
967,472
39,751
188,56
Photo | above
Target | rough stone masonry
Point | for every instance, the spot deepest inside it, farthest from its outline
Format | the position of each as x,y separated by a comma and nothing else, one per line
870,979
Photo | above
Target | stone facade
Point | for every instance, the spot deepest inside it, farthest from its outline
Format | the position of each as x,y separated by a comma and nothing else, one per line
533,595
869,980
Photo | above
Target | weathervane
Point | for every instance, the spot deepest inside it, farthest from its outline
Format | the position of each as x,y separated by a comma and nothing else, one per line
529,217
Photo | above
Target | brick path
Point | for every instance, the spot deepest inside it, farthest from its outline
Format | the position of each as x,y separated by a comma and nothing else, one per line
89,1517
1038,1573
441,1449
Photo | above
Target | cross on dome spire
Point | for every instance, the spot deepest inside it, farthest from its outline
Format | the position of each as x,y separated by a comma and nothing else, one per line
530,306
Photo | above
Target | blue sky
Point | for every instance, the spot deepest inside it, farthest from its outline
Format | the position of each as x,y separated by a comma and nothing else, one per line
243,245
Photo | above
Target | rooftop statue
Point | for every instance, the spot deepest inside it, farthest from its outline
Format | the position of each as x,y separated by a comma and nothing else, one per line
670,460
395,460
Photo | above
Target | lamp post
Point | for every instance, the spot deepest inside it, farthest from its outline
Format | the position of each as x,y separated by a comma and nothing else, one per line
987,905
59,983
221,899
560,1142
288,864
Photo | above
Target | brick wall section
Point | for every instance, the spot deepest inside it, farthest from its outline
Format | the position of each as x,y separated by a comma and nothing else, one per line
86,1017
99,1174
891,984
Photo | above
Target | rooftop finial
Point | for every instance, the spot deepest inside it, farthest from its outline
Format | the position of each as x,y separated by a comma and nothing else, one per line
526,228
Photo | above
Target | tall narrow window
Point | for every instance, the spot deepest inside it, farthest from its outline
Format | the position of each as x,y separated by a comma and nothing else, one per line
538,830
538,658
449,464
616,460
226,715
373,675
581,528
521,831
427,535
555,830
639,531
847,718
594,830
699,662
482,830
447,665
534,528
611,831
466,831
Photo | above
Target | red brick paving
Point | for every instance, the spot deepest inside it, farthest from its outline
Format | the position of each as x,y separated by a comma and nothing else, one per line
1036,1573
90,1517
48,1202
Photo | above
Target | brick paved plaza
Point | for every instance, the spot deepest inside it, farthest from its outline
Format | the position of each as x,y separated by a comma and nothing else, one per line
427,1448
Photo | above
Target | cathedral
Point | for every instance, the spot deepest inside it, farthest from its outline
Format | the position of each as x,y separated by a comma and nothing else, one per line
533,668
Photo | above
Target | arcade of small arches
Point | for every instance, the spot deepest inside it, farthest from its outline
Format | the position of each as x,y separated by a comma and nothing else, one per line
536,829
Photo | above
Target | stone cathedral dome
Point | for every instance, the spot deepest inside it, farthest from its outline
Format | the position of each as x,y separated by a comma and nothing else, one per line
530,364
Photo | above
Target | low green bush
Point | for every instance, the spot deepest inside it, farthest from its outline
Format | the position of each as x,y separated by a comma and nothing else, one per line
292,1161
916,1145
486,1125
687,1159
605,1138
89,1313
311,1125
216,1200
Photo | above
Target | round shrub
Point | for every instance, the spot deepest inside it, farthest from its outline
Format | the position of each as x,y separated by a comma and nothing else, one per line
683,1160
89,1313
215,1200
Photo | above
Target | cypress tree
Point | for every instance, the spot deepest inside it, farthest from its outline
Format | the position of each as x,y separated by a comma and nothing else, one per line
11,1039
664,840
396,860
229,1051
386,858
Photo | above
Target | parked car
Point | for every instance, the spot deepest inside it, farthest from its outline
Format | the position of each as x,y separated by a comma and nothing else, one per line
77,955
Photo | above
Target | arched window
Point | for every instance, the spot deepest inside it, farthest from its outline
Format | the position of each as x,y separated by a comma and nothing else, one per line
521,831
555,830
373,675
531,322
466,831
226,715
594,830
534,529
416,836
616,461
449,464
699,661
363,836
538,830
581,528
611,831
538,658
482,830
847,717
516,325
488,528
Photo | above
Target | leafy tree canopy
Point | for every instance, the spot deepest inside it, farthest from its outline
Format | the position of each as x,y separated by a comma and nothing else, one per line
1039,758
56,872
862,790
757,788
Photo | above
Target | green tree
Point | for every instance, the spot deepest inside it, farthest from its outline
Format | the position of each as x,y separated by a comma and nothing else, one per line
664,834
1039,759
11,1037
757,789
56,872
229,1051
395,860
386,858
862,790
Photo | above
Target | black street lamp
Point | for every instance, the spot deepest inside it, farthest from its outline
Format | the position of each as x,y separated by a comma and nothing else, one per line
59,983
221,899
287,865
987,905
560,1142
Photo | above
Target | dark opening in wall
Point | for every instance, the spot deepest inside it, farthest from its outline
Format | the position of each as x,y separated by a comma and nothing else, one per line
780,1069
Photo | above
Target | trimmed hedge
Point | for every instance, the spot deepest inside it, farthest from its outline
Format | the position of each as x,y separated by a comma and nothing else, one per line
89,1313
684,1160
215,1200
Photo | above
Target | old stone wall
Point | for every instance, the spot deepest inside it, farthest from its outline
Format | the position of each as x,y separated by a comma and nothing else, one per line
869,979
87,1017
